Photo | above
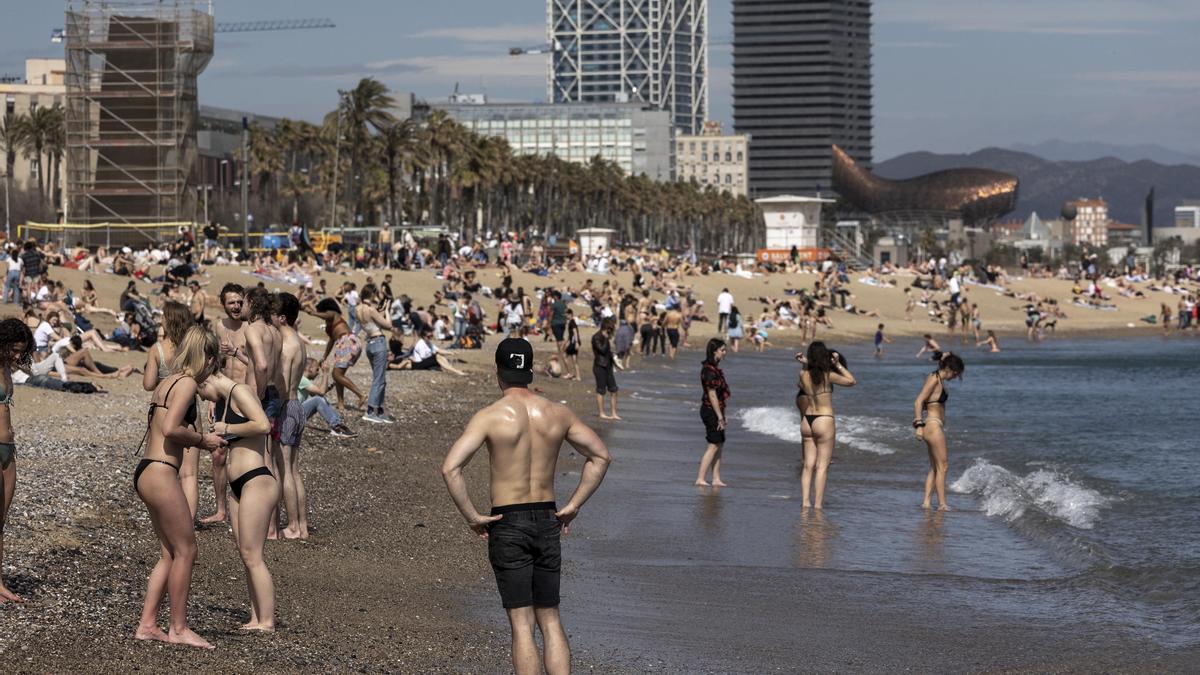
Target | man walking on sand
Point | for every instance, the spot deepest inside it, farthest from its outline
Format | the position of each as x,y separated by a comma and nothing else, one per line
724,307
523,433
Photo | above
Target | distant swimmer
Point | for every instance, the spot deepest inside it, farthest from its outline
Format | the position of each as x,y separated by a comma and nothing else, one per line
712,412
523,433
931,403
990,341
823,369
880,339
930,346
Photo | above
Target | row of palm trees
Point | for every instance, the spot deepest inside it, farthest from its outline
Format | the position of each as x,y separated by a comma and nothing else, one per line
363,165
40,136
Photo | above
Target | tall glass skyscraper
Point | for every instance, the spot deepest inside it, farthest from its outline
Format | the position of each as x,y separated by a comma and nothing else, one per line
654,51
801,84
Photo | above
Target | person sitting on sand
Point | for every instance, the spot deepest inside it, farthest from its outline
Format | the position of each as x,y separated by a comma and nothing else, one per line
169,421
425,356
312,398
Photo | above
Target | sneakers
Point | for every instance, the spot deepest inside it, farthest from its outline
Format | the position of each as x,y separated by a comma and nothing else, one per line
378,417
342,431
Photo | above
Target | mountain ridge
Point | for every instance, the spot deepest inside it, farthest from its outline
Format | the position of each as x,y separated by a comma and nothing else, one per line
1046,184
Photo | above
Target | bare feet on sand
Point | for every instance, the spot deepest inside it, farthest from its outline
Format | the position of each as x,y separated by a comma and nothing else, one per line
719,483
289,533
218,517
7,596
700,482
188,637
255,625
606,417
150,633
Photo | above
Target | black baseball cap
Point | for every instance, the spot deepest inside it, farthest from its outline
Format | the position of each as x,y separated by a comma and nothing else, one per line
514,361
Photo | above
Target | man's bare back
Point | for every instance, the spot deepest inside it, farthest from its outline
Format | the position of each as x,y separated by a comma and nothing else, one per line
674,319
524,435
292,359
265,344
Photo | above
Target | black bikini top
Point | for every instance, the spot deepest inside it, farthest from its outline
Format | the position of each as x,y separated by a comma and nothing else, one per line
189,417
945,394
225,412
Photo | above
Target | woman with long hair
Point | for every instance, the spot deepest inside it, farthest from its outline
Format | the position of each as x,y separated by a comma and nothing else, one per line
239,418
712,412
345,346
736,331
823,369
169,431
931,403
16,351
175,324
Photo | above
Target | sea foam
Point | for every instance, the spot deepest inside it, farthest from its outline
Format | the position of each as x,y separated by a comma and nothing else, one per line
784,423
1004,493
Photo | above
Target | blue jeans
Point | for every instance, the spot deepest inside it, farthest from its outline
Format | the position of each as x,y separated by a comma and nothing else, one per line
354,325
318,404
460,329
12,286
377,354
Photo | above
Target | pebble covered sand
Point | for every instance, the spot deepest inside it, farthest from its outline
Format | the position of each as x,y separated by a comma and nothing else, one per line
384,584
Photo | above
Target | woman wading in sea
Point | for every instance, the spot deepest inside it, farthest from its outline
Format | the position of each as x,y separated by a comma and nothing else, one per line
932,402
239,418
823,369
16,350
169,431
712,412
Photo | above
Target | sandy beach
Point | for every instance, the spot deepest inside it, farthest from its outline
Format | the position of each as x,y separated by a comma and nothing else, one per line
392,579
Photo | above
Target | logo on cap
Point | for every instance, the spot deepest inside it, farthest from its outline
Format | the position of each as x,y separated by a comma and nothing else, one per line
517,360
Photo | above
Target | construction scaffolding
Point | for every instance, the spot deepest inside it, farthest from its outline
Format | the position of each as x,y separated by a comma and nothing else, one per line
132,111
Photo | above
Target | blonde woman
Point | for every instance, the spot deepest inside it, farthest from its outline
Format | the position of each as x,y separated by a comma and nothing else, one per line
253,491
170,429
175,324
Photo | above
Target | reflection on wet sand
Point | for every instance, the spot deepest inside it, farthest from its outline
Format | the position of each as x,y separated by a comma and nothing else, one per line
932,539
708,510
813,534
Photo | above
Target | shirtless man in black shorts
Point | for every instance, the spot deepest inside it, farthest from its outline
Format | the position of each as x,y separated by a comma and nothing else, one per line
523,433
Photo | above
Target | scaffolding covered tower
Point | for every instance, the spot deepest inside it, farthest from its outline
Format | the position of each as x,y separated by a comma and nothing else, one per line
132,109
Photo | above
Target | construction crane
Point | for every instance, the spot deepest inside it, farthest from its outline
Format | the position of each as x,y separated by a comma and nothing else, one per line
57,34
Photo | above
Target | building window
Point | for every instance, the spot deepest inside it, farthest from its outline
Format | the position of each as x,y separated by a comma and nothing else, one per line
704,157
692,146
728,179
739,155
728,156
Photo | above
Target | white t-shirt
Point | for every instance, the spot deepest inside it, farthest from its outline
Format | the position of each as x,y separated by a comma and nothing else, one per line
43,293
43,334
397,310
954,288
352,299
725,303
423,350
514,313
439,330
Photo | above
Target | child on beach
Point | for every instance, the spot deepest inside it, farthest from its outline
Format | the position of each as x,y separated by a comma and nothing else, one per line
880,338
990,341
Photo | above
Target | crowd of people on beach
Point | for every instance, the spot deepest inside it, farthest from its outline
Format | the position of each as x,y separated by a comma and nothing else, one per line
229,373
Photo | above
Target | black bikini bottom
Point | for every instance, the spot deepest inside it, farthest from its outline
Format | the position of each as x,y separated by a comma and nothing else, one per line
137,473
237,483
811,418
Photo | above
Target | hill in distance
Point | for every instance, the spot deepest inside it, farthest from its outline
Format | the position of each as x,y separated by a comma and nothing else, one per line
1083,151
1046,184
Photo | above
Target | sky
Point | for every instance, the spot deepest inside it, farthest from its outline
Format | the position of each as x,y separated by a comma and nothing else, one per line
949,75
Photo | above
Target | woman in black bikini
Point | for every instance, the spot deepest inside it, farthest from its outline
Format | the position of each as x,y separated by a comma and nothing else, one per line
16,350
239,418
823,369
177,319
169,429
932,402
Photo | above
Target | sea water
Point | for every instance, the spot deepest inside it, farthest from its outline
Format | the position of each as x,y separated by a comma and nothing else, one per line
1074,482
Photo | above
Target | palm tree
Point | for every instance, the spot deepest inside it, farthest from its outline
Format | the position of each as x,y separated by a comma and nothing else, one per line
399,142
39,130
56,145
13,140
362,109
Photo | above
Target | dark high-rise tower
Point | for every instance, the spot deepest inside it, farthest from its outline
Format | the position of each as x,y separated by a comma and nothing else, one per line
801,84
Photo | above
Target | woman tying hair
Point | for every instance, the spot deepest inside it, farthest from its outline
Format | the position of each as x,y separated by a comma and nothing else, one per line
175,324
344,345
239,418
823,369
169,429
932,402
16,350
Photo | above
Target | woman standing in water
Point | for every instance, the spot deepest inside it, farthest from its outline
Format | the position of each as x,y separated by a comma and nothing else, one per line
169,431
932,402
712,412
177,318
16,348
823,369
239,418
